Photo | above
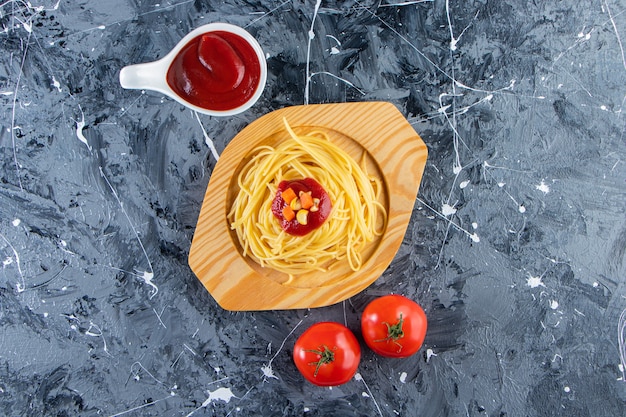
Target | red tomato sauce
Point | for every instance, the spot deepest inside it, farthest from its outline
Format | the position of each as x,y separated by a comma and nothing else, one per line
315,219
216,71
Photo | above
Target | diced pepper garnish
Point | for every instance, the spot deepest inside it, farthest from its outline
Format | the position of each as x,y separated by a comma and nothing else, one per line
290,200
288,213
288,195
302,216
306,200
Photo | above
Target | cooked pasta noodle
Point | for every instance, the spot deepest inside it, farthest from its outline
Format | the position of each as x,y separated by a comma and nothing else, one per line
357,217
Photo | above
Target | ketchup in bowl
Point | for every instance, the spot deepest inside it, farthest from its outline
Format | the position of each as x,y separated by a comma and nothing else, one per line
217,70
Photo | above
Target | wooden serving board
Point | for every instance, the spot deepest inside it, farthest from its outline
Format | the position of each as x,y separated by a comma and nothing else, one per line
393,151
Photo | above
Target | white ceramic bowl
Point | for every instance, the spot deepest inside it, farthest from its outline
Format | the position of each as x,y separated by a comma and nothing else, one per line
152,75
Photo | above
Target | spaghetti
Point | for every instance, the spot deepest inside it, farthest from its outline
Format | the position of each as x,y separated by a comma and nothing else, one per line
356,218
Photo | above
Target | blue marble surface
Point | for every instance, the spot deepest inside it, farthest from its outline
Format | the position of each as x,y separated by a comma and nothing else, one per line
516,247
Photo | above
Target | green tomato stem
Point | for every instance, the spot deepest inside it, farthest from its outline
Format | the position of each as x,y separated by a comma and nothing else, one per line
326,356
394,332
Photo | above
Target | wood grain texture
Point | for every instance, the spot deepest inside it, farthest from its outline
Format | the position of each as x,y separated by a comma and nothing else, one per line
395,152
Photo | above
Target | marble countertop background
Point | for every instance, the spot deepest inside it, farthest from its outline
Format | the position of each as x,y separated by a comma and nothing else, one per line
516,247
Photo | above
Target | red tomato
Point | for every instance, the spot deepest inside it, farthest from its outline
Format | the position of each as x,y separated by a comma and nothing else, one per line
394,326
327,354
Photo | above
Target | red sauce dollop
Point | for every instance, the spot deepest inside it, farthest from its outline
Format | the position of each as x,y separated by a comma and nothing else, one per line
315,218
216,71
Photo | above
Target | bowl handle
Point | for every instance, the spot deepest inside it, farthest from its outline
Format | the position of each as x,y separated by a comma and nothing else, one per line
148,76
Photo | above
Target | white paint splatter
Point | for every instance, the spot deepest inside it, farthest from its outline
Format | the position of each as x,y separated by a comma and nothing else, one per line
20,286
159,317
429,354
453,40
57,85
308,52
207,139
617,35
474,225
267,370
534,282
28,26
147,278
220,394
403,377
343,80
453,43
567,389
522,209
80,125
89,332
554,304
142,406
543,187
621,342
464,184
474,236
335,39
16,222
359,377
447,210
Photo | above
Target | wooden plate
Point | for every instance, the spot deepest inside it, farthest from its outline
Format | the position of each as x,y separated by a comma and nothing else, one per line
393,151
